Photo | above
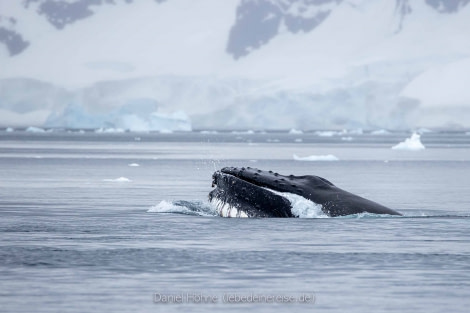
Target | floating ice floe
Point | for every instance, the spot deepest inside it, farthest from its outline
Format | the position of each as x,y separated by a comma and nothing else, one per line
247,132
118,180
109,130
328,157
380,132
326,133
33,129
410,144
294,131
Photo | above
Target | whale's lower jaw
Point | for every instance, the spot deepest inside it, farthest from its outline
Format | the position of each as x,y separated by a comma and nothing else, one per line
225,209
235,197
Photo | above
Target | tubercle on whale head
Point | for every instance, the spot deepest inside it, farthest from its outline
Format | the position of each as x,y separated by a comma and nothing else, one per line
267,179
217,176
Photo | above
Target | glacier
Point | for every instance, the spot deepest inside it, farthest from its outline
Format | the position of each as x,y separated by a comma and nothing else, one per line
178,65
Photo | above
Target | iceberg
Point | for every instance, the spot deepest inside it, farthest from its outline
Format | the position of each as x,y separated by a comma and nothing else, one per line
136,115
410,144
33,129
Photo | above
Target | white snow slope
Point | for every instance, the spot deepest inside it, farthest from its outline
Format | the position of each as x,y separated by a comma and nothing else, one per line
153,65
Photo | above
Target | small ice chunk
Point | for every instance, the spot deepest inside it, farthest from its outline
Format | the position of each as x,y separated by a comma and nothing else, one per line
328,157
109,130
133,164
118,180
247,132
410,144
357,131
9,130
33,129
380,132
294,131
326,133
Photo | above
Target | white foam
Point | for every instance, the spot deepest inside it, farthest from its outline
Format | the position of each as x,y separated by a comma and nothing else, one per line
328,157
118,180
410,144
367,215
167,207
184,207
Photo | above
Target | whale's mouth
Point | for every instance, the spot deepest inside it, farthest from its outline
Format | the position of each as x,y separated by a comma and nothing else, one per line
234,196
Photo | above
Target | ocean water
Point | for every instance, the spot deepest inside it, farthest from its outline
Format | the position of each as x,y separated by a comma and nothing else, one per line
119,222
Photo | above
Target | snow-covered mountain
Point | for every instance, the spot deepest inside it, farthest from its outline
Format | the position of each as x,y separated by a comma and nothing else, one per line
262,64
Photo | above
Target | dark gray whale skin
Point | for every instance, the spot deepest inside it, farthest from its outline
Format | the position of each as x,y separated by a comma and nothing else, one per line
245,189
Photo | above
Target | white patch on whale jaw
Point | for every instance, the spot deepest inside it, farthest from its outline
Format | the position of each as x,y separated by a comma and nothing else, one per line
224,209
303,207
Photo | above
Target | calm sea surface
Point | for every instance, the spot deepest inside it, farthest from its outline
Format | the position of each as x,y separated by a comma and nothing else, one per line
119,222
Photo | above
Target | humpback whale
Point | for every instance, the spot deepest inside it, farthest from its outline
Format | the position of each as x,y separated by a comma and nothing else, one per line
251,192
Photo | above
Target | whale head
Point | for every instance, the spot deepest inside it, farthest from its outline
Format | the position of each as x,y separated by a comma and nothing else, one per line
251,192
